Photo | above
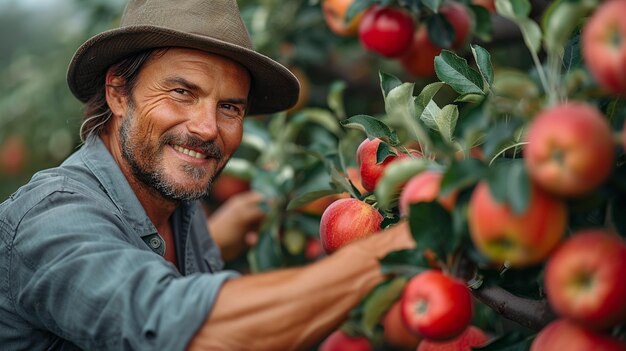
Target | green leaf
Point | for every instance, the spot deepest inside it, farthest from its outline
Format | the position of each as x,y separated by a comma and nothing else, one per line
471,98
446,121
483,24
394,176
388,82
318,116
431,227
405,263
335,99
241,168
429,115
440,31
433,5
509,183
373,127
513,9
518,11
304,198
426,96
266,254
561,19
483,61
462,174
383,151
378,302
454,71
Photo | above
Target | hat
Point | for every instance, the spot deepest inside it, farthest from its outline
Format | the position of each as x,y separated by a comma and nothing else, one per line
213,26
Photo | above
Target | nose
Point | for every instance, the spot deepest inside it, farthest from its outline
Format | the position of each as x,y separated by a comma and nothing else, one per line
204,124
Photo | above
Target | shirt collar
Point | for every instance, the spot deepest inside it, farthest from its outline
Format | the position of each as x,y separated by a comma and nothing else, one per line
100,162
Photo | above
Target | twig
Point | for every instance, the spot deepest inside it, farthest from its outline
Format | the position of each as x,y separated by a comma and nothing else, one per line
533,314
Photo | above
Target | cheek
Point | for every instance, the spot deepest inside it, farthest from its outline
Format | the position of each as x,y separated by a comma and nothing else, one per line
231,134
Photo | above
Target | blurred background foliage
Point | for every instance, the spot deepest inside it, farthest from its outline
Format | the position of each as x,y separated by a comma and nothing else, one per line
39,118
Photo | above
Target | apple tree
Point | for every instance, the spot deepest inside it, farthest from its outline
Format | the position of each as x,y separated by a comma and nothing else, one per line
499,171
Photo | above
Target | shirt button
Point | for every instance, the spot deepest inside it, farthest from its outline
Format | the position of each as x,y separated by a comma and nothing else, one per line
155,243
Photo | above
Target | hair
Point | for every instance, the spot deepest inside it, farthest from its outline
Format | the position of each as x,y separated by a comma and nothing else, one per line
97,112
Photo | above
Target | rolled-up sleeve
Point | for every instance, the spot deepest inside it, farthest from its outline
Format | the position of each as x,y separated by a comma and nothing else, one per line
78,271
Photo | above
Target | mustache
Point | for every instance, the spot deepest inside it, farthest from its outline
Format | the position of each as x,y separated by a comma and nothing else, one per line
209,148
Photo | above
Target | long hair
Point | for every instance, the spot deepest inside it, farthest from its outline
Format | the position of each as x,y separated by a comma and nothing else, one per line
97,112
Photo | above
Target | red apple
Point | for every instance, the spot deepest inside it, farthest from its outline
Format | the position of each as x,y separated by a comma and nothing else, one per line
341,341
603,44
584,279
471,337
347,220
459,17
564,335
521,239
312,249
436,306
227,185
395,333
371,171
354,175
570,149
386,30
335,16
12,155
424,187
419,59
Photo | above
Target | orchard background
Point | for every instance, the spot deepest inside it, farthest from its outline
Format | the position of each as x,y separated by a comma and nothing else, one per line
494,128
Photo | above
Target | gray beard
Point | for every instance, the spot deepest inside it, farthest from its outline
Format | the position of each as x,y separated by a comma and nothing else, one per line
154,176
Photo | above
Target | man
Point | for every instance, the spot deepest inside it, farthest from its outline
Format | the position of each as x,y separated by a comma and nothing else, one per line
110,251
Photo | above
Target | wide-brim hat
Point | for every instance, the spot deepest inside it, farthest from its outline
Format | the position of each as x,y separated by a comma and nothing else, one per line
214,26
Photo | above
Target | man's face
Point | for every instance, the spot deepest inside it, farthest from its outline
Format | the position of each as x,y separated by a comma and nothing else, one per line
184,121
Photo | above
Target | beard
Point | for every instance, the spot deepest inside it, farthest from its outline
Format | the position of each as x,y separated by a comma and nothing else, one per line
147,165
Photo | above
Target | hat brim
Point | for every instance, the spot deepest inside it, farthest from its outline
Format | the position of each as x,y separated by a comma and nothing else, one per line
273,87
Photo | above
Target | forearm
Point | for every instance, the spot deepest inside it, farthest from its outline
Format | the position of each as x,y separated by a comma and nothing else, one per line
294,308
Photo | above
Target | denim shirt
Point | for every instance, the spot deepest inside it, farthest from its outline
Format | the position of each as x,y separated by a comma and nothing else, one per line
82,267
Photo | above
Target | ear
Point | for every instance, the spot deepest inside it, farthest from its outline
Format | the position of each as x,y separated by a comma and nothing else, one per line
116,99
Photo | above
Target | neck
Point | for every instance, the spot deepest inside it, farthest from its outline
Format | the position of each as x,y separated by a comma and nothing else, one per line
158,208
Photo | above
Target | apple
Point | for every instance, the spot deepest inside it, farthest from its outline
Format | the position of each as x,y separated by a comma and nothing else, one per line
305,89
419,59
436,306
387,31
339,340
354,176
12,155
603,43
370,170
335,16
584,279
521,239
347,220
424,187
459,17
562,334
395,333
227,185
312,249
570,149
471,337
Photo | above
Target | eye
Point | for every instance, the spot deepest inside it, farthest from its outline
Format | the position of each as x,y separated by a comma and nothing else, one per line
181,91
232,109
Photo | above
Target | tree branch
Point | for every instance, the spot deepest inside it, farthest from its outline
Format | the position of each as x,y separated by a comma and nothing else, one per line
533,314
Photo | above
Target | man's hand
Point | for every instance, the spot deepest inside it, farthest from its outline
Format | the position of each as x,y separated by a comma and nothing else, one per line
234,225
